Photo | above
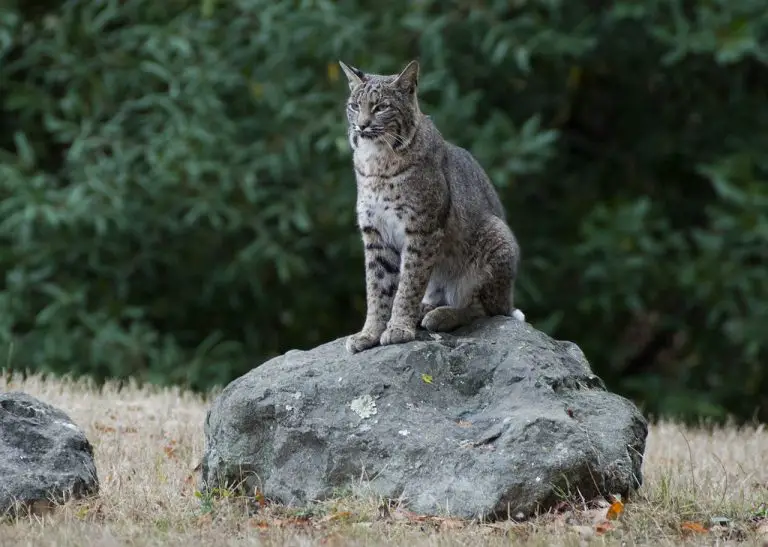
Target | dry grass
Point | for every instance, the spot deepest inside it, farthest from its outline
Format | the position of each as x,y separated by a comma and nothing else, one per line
148,441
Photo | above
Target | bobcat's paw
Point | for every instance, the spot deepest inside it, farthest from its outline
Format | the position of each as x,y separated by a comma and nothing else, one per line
424,309
361,342
442,319
397,335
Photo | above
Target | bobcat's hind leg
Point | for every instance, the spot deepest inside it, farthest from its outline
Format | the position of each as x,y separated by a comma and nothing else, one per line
486,289
433,298
459,304
496,294
448,318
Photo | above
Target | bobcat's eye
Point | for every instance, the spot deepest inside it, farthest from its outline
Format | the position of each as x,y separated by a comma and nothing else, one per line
353,107
379,108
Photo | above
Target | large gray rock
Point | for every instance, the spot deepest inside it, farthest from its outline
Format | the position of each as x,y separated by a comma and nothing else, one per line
44,457
491,420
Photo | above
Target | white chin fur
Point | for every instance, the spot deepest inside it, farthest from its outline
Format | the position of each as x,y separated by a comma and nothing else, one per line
519,315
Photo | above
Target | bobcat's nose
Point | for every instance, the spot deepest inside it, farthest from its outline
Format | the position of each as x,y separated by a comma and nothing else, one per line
360,127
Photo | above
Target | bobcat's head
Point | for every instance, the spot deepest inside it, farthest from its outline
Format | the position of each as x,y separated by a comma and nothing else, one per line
382,109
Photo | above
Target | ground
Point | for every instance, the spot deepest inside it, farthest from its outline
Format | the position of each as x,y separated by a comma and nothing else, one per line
703,486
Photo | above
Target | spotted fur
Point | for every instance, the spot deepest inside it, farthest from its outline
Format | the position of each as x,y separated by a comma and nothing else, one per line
438,251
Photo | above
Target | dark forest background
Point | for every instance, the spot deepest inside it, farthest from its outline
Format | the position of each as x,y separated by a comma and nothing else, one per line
177,197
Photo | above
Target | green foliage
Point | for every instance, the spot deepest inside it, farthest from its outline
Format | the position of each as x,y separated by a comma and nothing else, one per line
177,201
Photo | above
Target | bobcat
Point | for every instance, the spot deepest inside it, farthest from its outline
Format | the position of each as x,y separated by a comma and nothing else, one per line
438,251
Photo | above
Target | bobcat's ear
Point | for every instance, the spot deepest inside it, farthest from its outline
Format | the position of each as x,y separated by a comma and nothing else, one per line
408,79
354,75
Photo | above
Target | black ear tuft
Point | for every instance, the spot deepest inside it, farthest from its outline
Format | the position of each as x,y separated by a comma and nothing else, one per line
354,76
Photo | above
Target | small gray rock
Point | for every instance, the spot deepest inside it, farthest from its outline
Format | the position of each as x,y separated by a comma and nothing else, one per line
492,420
44,457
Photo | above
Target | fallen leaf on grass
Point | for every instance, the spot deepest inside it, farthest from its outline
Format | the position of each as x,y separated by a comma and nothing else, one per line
170,450
615,510
693,528
603,527
403,514
341,515
289,522
442,523
103,428
190,479
451,524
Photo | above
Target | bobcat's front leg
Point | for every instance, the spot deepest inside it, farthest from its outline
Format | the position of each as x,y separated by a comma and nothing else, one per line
381,276
417,261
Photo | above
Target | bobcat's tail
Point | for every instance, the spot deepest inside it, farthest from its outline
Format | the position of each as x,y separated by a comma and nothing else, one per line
518,314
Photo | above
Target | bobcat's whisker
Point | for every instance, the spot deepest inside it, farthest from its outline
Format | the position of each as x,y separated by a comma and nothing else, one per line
397,138
385,137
